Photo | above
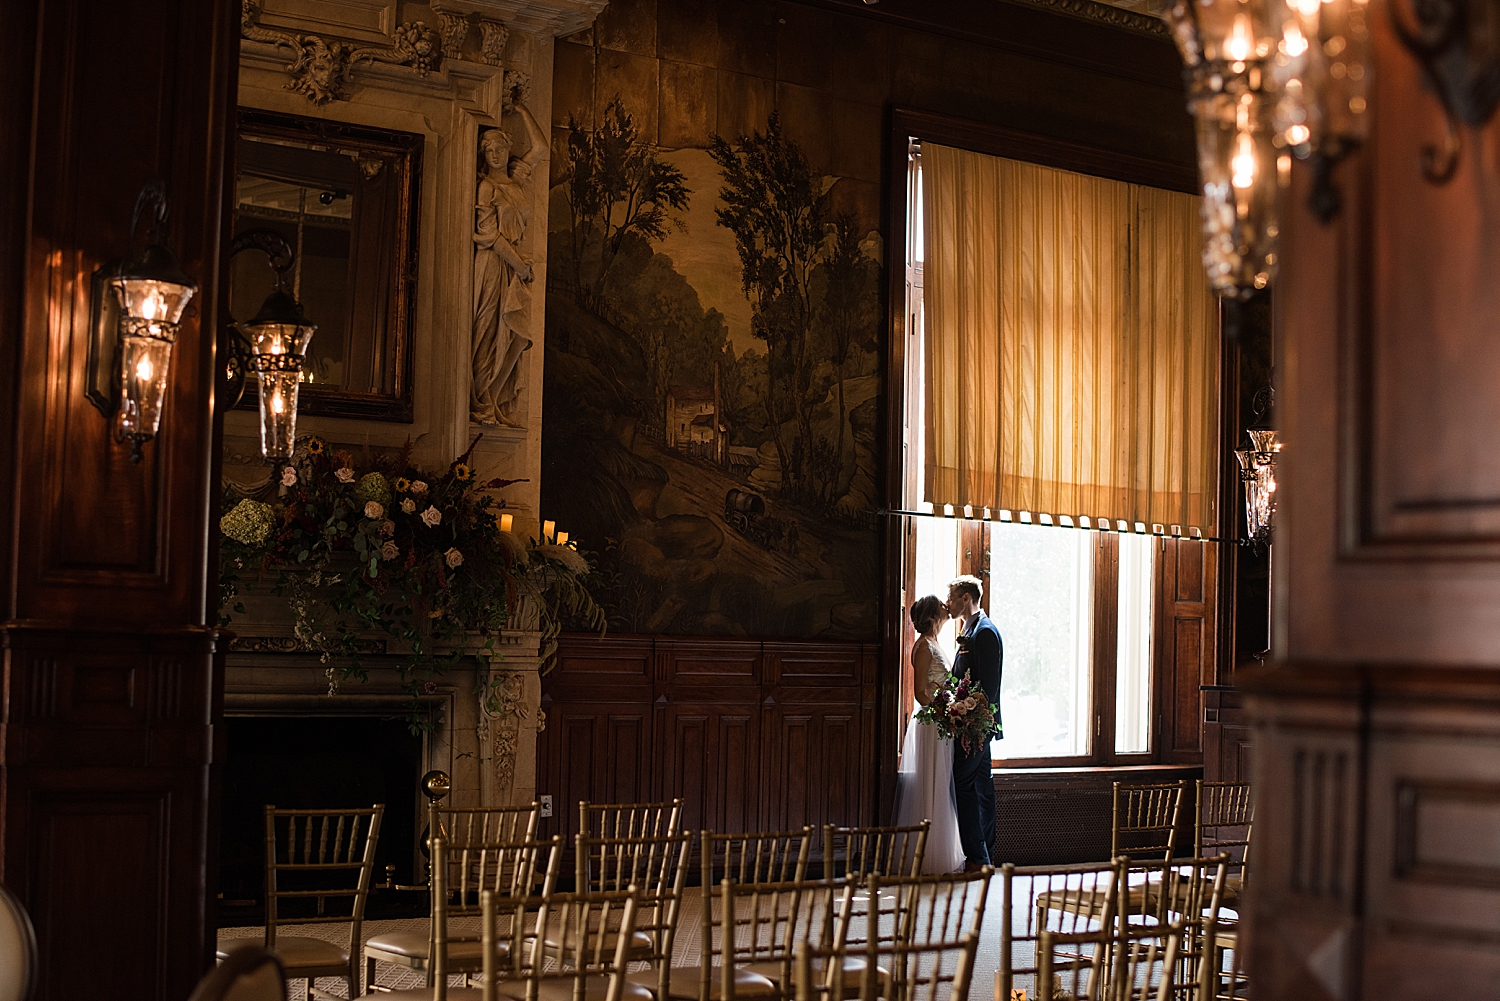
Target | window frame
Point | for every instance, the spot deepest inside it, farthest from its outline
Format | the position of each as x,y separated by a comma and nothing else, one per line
910,127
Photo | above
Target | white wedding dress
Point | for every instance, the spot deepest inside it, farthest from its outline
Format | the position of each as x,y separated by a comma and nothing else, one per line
924,785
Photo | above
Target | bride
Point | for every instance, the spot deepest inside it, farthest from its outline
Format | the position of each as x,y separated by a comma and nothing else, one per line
924,788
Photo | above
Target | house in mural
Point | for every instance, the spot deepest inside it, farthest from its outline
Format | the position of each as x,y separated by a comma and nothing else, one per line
693,422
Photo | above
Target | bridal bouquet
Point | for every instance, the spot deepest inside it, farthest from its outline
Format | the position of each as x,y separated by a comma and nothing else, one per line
961,711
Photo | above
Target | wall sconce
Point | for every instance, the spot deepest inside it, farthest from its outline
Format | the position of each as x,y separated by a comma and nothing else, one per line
1258,473
273,345
137,306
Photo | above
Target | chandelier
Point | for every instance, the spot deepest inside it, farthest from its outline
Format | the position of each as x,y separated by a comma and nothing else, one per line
1267,80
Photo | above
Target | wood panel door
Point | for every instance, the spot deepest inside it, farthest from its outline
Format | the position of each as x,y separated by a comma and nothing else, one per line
1186,645
110,670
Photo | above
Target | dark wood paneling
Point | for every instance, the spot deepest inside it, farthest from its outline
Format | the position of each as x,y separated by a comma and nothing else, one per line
752,735
1186,645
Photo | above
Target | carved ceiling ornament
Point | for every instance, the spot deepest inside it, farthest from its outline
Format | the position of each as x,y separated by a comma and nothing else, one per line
492,38
454,28
320,67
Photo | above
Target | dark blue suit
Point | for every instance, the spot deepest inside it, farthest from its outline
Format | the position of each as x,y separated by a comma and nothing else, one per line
980,654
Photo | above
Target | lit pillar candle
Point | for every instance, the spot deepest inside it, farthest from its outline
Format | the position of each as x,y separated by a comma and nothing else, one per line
506,521
549,529
562,538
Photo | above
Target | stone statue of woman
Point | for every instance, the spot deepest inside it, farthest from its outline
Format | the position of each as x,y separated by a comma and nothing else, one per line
501,271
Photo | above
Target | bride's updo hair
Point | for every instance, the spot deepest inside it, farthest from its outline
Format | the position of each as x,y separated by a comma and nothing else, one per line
925,611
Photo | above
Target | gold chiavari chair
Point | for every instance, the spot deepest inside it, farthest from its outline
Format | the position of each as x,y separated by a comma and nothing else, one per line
657,867
1186,892
1131,964
629,820
935,969
858,852
1226,817
469,865
760,924
248,973
1145,819
314,857
1083,897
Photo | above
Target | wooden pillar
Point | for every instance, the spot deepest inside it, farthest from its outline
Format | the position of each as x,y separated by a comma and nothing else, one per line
109,670
1377,740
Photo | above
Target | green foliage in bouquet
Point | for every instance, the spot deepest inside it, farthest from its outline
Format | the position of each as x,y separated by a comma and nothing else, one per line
413,555
961,711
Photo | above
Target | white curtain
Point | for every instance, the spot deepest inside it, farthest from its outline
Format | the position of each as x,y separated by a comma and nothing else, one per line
1072,345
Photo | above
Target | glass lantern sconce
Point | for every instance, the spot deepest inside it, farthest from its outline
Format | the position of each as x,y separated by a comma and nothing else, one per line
272,345
136,309
1258,473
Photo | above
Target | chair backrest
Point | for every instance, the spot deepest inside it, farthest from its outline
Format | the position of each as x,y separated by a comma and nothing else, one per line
1145,819
1159,891
509,869
1226,816
923,910
597,929
491,825
771,857
1138,964
1067,898
248,973
935,971
629,820
317,856
859,852
762,922
657,867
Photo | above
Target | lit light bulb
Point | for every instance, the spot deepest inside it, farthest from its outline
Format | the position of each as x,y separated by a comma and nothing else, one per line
1296,135
1243,163
1294,42
277,406
152,307
144,371
1241,42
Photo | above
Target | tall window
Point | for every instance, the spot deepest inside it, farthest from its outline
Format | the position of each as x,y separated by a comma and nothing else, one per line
1077,609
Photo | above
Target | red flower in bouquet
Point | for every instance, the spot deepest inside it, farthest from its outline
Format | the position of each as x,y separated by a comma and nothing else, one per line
960,711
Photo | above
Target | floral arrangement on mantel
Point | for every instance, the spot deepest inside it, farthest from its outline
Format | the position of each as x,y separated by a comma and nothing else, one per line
415,555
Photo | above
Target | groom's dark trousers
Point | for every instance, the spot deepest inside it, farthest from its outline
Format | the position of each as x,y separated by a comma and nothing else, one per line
980,657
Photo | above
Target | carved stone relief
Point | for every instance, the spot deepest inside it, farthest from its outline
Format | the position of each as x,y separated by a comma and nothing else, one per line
502,268
505,728
320,68
492,38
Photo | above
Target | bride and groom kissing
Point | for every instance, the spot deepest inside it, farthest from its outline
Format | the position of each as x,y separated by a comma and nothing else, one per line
938,781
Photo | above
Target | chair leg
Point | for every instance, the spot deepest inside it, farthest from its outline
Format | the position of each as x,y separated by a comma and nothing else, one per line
369,973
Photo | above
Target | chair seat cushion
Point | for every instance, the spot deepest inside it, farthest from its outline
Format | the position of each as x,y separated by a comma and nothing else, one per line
425,994
409,948
595,988
683,982
854,971
299,953
641,945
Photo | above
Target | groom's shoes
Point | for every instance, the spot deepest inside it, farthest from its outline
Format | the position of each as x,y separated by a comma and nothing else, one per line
972,867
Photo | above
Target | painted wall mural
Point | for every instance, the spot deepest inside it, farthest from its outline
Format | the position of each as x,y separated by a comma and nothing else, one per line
713,371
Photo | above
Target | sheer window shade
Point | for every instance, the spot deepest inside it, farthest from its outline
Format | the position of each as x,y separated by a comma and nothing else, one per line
1071,343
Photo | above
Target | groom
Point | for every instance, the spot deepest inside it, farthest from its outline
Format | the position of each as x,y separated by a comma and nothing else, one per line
980,653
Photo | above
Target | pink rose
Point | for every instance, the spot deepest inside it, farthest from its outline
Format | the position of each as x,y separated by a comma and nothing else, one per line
418,487
389,551
408,505
432,517
374,510
289,477
344,474
387,528
454,558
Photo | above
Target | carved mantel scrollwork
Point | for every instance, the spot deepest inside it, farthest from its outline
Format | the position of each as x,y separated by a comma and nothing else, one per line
320,68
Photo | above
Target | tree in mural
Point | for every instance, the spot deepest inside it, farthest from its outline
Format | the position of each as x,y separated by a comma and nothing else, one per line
774,206
846,310
617,186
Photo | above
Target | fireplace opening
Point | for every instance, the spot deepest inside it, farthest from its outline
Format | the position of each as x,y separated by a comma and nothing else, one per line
318,762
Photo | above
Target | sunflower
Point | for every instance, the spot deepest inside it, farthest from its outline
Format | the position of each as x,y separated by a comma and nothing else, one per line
462,473
315,445
402,484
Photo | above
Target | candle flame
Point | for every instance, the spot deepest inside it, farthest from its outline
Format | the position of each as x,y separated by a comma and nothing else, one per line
1295,42
277,406
144,370
1243,163
1241,41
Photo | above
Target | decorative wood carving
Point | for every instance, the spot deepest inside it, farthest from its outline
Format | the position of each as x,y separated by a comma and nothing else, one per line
320,68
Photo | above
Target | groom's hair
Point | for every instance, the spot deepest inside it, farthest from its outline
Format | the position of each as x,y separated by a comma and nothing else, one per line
968,584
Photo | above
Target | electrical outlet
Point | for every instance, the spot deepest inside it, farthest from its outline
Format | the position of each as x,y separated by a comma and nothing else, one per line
546,806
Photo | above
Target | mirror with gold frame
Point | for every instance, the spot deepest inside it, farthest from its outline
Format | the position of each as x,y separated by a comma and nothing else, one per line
345,198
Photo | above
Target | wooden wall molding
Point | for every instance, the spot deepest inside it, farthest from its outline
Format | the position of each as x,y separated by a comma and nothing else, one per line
753,734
